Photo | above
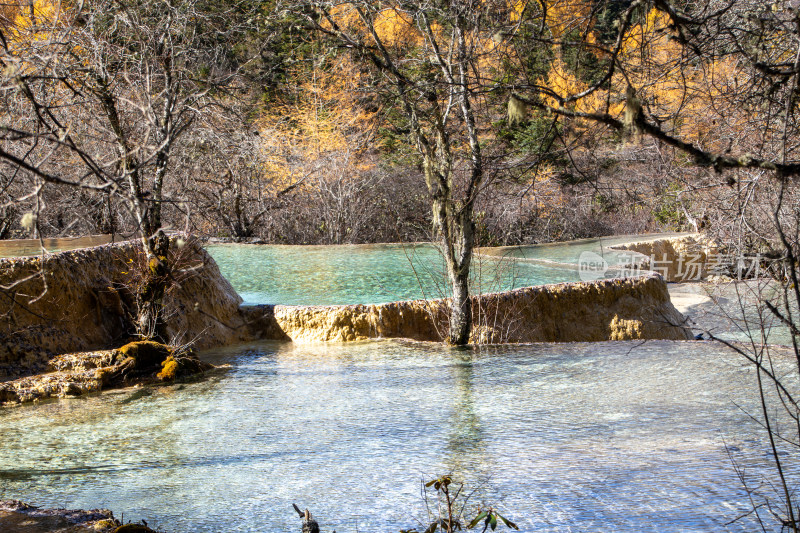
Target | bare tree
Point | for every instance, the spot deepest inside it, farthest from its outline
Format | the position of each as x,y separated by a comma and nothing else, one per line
428,60
96,96
717,81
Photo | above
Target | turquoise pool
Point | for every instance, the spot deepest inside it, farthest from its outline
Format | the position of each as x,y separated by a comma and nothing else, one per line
575,437
350,274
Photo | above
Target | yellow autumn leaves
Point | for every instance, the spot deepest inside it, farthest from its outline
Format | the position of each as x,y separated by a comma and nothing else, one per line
325,121
654,64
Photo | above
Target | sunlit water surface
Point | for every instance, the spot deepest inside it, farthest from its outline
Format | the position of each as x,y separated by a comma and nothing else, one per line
350,274
377,273
573,437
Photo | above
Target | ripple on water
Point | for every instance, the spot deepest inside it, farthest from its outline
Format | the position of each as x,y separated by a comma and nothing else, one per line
586,437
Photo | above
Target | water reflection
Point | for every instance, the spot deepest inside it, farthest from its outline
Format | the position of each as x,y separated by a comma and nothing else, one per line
588,437
466,450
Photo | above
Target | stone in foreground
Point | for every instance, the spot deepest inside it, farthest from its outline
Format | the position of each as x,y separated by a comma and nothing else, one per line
136,363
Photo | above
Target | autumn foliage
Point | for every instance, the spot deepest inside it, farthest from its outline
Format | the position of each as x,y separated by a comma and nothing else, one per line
326,132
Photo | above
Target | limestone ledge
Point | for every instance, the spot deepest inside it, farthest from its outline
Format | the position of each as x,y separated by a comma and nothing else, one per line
77,374
81,300
616,309
685,258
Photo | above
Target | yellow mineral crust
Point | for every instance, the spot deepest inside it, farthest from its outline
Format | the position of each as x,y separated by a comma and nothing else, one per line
80,300
619,309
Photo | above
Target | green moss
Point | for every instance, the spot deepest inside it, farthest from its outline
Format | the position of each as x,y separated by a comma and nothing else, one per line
105,525
170,369
144,353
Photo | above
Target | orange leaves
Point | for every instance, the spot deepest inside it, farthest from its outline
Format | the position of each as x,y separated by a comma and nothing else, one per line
33,21
393,26
396,28
34,14
325,122
565,16
671,86
685,94
516,8
650,53
563,81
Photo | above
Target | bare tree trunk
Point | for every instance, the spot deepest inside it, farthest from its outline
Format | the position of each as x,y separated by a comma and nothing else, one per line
461,309
6,220
431,101
456,230
158,188
150,296
458,267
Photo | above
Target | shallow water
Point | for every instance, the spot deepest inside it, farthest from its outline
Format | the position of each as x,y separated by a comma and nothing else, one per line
26,247
573,437
735,311
570,252
570,437
351,274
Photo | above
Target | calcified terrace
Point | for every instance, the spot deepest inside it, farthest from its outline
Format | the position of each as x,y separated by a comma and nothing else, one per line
79,302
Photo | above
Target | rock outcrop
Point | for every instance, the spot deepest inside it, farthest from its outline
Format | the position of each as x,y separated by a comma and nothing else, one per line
81,300
76,374
21,517
617,309
686,258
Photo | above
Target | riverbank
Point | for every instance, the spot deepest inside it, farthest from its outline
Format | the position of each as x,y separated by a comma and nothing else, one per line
616,309
19,517
82,300
73,375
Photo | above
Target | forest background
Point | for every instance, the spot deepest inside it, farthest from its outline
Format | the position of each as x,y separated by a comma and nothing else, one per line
241,122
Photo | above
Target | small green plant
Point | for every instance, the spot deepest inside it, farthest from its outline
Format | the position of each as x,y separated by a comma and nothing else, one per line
450,508
490,518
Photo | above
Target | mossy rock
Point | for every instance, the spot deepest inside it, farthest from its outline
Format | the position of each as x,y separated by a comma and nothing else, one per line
104,374
174,367
145,354
107,525
169,369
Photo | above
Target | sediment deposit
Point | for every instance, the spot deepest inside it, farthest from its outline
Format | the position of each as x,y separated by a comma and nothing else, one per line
19,517
686,258
617,309
81,300
76,374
